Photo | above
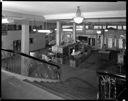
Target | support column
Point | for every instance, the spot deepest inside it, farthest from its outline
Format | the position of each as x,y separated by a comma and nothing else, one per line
58,33
101,40
24,48
90,41
96,42
74,32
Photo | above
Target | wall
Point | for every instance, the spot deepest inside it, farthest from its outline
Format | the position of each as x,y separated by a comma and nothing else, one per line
90,33
114,34
39,41
7,40
66,37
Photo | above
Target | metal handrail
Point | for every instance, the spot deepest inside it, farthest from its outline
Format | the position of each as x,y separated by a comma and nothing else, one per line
23,54
112,75
108,80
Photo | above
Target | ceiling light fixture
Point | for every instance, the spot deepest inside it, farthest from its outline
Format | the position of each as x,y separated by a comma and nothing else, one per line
78,19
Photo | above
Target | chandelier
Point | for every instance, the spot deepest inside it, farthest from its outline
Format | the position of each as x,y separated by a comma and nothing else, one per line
78,19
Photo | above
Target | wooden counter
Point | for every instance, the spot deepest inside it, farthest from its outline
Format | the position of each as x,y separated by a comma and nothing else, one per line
64,50
76,60
104,55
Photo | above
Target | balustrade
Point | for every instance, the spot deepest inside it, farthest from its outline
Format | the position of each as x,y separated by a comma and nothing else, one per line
111,86
12,62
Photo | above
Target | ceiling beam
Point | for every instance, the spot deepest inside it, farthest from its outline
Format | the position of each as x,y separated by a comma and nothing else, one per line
20,16
102,14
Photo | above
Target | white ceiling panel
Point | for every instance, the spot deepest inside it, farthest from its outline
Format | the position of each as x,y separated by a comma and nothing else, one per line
54,8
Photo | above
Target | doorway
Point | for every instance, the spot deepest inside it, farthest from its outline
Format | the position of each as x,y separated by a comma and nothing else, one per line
17,45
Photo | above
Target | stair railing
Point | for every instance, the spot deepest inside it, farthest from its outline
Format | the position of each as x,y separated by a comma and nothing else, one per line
24,64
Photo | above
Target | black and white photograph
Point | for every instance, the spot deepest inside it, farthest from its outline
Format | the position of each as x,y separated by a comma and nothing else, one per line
63,50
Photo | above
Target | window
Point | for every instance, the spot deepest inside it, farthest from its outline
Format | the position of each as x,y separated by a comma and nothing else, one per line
79,27
124,27
31,40
112,27
120,43
86,27
19,27
109,42
97,27
119,27
104,27
115,40
4,27
67,26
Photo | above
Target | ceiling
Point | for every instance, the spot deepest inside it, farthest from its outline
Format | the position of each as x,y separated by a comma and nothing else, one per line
65,10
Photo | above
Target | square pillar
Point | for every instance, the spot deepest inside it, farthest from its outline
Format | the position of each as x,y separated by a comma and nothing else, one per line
25,39
101,40
58,33
24,49
74,32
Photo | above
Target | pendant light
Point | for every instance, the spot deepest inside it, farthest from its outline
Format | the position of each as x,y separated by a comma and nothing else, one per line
78,19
